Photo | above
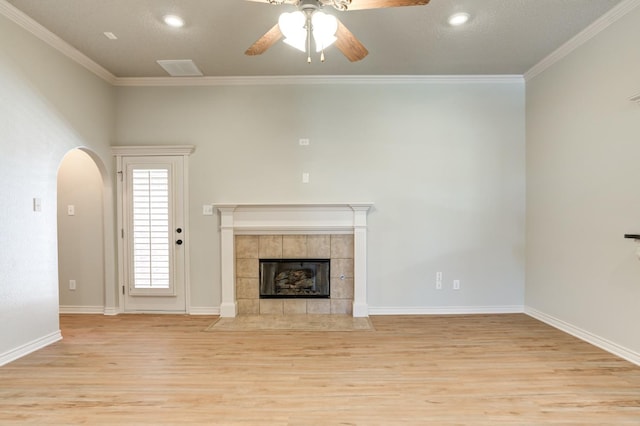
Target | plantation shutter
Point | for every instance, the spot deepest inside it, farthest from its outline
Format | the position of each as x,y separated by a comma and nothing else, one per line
151,232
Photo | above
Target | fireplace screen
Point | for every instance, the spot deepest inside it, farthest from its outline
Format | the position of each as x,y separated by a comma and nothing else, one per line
285,278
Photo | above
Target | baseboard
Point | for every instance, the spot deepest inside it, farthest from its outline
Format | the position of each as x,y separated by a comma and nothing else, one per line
27,348
73,309
588,337
446,310
69,309
204,310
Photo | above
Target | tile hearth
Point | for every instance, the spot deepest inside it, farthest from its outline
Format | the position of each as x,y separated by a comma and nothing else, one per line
250,248
307,322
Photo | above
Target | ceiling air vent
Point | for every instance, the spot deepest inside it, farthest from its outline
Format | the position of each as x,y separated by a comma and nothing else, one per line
180,67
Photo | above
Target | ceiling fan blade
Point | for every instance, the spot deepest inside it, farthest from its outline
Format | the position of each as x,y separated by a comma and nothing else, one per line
380,4
349,45
266,41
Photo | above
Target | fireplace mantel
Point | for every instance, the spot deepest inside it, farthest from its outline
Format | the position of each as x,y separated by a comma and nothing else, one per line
264,219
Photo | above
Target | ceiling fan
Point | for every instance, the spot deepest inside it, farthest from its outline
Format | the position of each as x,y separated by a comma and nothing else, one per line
299,27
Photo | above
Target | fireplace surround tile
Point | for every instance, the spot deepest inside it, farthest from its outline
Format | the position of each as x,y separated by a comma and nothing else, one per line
294,246
341,307
319,246
321,306
342,289
342,246
247,268
247,288
295,306
341,268
247,247
248,306
270,246
271,306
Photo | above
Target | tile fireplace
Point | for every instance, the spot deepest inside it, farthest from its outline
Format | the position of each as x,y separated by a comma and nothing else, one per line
337,250
335,233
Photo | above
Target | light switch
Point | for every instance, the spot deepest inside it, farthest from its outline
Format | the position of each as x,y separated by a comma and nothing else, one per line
305,178
207,210
37,205
71,210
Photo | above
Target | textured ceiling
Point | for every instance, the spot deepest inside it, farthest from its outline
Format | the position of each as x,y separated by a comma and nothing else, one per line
502,37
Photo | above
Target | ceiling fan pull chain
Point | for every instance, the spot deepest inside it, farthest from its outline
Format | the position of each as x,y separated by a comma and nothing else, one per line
322,55
308,38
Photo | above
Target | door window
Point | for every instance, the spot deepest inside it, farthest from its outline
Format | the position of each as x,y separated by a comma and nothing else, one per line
151,243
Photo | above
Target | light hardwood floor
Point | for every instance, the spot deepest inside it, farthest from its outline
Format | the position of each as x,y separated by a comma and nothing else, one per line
414,370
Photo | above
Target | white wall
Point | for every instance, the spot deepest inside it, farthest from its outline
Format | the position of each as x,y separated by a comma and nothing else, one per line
583,182
443,163
80,236
48,106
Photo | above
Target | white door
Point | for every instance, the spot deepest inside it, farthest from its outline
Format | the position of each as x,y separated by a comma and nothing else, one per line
153,234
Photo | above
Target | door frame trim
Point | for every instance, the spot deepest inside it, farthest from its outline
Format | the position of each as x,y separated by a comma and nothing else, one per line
120,152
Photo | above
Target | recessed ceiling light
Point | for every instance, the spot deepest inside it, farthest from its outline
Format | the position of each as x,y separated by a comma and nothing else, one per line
173,21
458,19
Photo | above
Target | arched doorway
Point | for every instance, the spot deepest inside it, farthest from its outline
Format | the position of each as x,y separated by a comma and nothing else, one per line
81,233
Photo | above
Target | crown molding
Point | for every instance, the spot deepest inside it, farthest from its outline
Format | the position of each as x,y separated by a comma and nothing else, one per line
582,37
24,21
315,80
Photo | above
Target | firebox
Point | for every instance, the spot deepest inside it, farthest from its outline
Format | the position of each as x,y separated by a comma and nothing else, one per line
290,278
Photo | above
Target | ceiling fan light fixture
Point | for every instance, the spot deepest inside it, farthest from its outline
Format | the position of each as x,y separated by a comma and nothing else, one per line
298,43
292,26
173,21
458,19
324,30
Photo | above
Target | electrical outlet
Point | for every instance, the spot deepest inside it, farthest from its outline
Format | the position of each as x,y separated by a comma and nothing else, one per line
438,285
456,284
305,177
72,284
